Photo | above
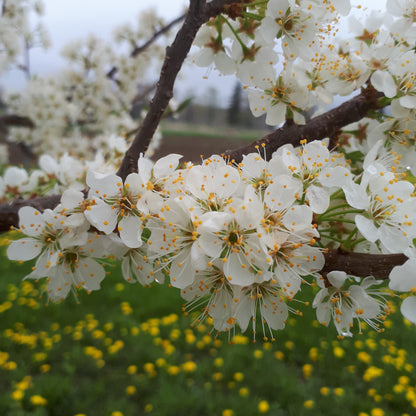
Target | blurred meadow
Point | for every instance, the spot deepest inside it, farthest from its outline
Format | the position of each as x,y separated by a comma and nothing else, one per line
129,350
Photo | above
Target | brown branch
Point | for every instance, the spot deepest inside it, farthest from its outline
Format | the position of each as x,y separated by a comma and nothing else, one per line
318,128
16,121
199,13
362,264
9,210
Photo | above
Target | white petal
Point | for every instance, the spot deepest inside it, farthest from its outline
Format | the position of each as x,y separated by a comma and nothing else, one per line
275,311
366,228
102,216
182,273
393,239
237,270
71,199
408,101
60,282
408,309
337,176
166,165
356,195
89,274
130,228
337,278
101,185
24,249
403,278
31,221
318,199
145,166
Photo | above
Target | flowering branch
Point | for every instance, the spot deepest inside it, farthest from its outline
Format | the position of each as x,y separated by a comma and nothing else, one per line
199,13
139,49
318,128
237,230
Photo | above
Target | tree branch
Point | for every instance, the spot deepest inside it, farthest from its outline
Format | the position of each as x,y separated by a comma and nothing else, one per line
9,210
199,12
16,121
362,264
318,128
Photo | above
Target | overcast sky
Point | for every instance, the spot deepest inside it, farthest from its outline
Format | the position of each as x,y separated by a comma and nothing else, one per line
68,20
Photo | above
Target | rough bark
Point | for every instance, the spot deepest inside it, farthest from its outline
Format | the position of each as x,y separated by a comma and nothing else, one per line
362,264
318,128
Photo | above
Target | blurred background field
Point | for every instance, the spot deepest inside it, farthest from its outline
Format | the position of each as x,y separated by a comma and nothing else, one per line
129,350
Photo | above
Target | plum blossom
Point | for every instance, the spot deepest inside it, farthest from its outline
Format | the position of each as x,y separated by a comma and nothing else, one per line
115,204
318,171
343,302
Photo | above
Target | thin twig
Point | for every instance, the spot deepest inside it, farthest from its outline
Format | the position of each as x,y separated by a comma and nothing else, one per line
139,49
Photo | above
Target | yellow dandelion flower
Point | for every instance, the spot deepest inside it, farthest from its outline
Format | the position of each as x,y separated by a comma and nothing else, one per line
238,376
160,362
134,331
173,370
313,354
17,395
264,406
244,392
338,352
10,365
258,354
307,370
189,367
44,368
132,369
148,408
38,400
364,357
308,404
217,376
289,345
339,391
218,362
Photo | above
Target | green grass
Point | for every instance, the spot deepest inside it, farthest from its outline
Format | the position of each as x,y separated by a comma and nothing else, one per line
190,130
129,349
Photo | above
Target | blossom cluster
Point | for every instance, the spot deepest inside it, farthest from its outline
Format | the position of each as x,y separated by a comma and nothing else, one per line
92,97
238,240
16,33
242,242
293,59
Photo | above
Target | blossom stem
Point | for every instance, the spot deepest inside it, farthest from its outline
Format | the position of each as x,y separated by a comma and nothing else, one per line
338,220
243,46
347,243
